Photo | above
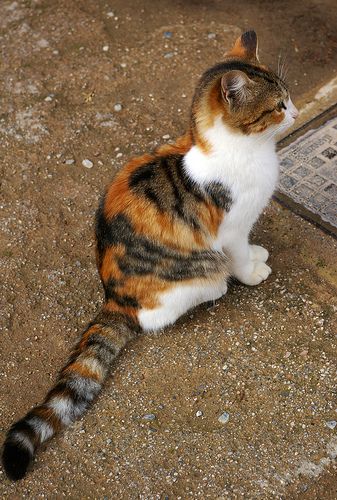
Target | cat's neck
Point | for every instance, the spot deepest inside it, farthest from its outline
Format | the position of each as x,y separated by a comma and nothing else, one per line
233,158
222,140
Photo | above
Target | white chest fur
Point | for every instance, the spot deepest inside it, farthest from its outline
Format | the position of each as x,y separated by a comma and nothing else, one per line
246,165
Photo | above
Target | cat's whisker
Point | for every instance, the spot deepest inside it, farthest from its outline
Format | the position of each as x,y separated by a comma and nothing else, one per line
283,68
278,64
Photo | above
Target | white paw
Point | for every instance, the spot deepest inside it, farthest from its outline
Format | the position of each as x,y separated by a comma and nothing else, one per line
259,273
258,253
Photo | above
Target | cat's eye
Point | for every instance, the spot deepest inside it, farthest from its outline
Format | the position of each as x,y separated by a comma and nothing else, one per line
281,106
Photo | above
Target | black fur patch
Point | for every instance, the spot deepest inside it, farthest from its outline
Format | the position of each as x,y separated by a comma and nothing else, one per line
15,459
220,195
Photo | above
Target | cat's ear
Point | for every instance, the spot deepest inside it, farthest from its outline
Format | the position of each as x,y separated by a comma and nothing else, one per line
235,87
246,47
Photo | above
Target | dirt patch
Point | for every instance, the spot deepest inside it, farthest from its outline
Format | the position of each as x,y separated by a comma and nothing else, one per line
103,81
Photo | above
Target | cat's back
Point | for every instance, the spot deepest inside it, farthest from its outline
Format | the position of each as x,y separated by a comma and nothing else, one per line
153,202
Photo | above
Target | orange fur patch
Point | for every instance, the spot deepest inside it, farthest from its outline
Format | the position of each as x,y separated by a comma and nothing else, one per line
144,289
84,339
119,196
82,370
238,50
182,145
109,267
48,415
211,217
112,307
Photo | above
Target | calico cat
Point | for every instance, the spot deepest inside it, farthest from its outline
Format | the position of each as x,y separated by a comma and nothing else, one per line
171,229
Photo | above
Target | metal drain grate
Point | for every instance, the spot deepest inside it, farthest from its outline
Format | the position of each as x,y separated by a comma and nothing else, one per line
309,172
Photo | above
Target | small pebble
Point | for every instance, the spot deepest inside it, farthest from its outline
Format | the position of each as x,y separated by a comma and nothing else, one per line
43,43
168,55
56,52
211,35
49,98
119,155
223,419
199,413
331,424
166,136
105,48
87,163
168,34
110,14
118,107
109,441
149,416
70,161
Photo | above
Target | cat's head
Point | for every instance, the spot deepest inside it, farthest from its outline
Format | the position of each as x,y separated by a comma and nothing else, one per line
249,97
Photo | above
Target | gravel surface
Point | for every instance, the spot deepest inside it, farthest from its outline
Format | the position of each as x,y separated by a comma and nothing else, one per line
90,84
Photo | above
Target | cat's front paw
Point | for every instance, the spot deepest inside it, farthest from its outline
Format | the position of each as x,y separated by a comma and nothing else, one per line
259,272
258,253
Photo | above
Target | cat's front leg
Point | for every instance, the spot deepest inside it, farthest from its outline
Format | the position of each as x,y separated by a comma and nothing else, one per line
258,253
248,261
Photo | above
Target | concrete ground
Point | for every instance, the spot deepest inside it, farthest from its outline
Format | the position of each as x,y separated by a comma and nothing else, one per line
103,81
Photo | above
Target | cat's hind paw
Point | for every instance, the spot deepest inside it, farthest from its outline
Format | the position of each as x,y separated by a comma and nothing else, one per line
258,253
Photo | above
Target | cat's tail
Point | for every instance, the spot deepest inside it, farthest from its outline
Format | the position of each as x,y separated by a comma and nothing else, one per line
78,383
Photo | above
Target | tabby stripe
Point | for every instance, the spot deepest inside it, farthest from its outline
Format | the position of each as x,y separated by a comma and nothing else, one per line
121,300
170,177
85,388
41,428
146,257
143,173
178,205
22,427
251,70
105,350
266,112
188,185
21,439
152,196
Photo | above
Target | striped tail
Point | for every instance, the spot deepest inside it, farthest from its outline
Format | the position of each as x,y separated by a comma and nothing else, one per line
78,384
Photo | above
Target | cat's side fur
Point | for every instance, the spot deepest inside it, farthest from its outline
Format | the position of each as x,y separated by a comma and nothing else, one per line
171,228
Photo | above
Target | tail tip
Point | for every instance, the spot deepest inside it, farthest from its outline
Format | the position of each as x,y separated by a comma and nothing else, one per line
16,460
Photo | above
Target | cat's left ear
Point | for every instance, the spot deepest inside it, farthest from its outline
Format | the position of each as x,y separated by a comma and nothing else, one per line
246,47
236,88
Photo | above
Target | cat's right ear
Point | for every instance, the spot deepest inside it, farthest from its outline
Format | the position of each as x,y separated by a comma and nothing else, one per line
235,87
246,47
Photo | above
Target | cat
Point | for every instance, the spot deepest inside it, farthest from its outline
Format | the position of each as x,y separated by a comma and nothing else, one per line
171,229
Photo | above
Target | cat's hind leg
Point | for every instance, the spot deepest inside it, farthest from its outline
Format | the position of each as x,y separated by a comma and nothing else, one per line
178,300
